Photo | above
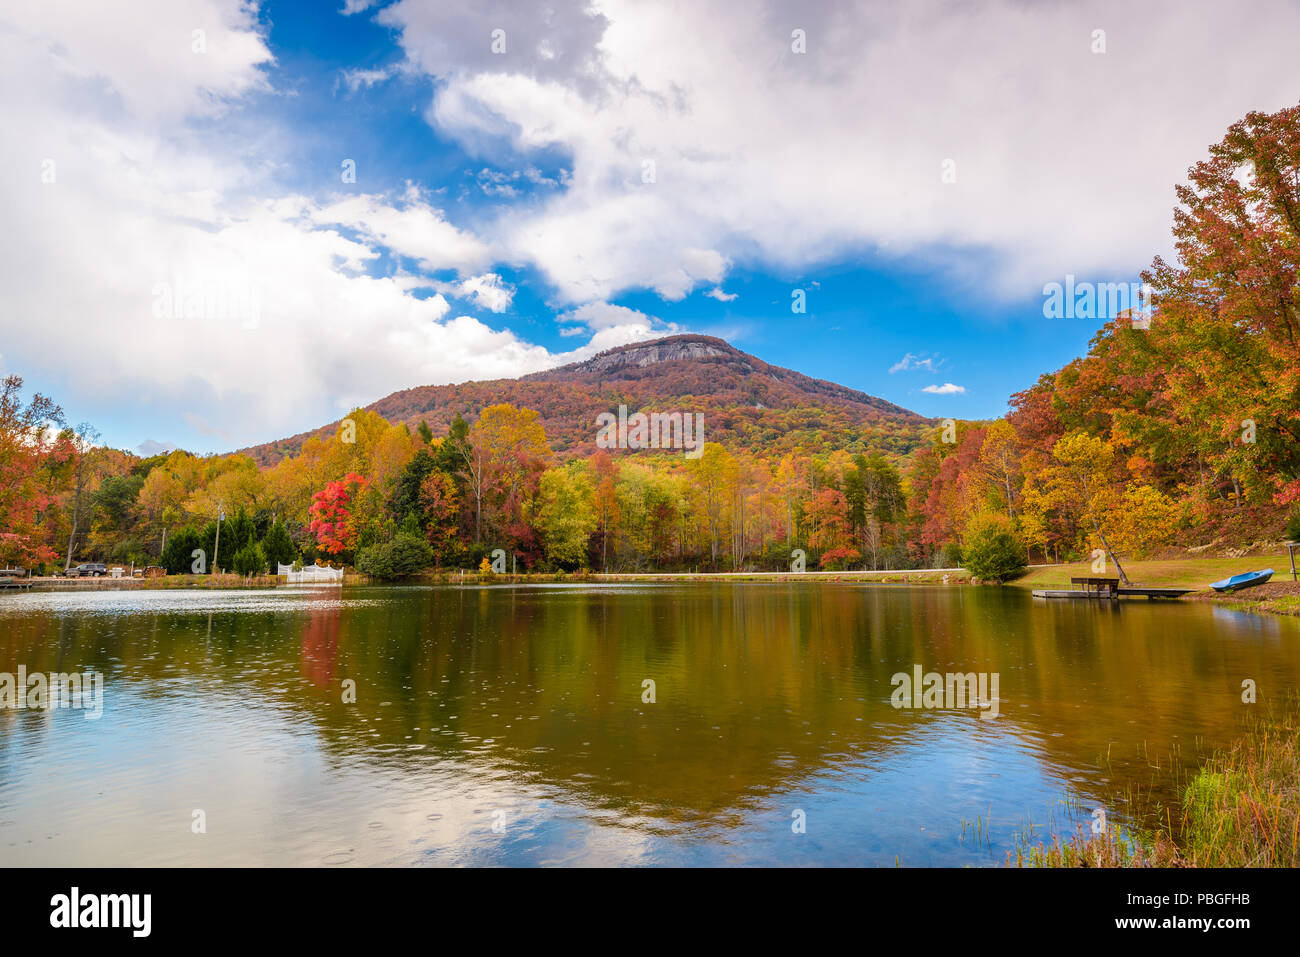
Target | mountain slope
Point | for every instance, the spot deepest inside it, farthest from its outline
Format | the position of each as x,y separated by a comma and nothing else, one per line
747,403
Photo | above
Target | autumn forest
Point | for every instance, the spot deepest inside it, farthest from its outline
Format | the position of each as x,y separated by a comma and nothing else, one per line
1181,435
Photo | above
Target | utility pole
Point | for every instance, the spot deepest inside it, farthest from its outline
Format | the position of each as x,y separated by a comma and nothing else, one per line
216,548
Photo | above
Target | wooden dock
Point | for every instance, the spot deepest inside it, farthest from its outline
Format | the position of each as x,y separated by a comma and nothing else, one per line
1093,595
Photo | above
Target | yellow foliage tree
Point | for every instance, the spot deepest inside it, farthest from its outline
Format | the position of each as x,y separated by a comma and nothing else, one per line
1079,486
1146,519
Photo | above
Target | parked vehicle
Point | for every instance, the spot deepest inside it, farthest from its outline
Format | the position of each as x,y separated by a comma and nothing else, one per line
88,570
15,572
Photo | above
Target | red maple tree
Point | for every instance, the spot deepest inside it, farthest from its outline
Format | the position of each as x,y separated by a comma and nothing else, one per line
331,519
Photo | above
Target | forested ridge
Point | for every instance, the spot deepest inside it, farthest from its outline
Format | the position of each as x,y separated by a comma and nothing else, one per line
748,404
1179,436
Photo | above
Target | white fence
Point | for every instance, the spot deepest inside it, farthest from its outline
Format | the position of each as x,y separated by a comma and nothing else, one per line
311,575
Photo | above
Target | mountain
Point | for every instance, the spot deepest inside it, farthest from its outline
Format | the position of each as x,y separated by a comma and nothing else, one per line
747,403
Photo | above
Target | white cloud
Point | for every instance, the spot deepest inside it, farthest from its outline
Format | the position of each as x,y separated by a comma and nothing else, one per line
150,447
910,362
609,326
202,426
1065,160
946,389
415,230
142,55
142,214
555,40
1065,164
618,322
718,294
357,79
495,182
488,291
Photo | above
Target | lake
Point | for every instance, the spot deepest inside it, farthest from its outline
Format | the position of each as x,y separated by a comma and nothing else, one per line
513,725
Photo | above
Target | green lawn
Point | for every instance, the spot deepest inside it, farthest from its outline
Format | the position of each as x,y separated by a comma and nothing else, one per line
1174,573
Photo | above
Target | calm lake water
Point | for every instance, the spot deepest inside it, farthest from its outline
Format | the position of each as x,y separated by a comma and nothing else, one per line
506,724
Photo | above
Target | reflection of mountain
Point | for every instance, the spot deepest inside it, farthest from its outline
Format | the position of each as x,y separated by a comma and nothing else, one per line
760,688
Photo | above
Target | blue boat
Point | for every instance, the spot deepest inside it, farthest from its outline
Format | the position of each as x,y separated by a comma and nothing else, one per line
1244,580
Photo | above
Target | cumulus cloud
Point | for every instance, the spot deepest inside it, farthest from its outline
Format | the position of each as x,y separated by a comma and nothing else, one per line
173,284
718,294
152,59
946,389
1062,160
692,138
488,291
556,40
414,229
610,326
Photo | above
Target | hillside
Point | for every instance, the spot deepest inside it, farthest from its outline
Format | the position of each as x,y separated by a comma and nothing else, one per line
748,404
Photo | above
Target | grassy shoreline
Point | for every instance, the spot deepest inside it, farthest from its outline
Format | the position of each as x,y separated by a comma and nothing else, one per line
1194,573
1280,596
1240,809
455,577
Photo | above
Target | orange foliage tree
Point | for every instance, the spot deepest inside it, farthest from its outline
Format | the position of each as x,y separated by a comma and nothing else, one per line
331,519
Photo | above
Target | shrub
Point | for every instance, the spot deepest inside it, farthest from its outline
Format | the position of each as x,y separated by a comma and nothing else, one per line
376,561
411,554
991,550
1240,810
779,556
249,560
411,525
177,557
894,556
402,557
949,556
278,546
1293,528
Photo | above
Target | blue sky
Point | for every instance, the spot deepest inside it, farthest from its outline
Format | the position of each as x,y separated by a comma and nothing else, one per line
502,219
863,314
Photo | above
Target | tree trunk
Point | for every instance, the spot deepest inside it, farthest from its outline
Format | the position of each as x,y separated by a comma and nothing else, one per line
1106,545
76,514
67,562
